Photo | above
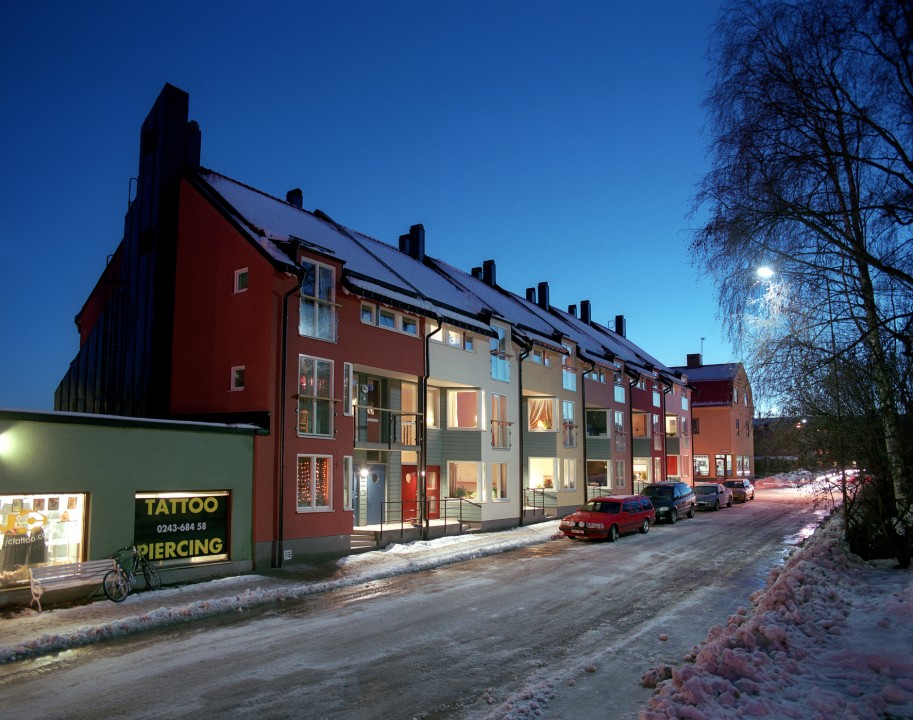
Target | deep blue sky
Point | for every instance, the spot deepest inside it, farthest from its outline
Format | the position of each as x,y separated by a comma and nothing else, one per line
563,140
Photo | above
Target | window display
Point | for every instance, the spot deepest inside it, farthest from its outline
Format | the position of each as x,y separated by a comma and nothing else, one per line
39,529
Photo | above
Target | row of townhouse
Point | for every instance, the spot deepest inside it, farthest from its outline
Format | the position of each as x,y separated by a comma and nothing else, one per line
395,393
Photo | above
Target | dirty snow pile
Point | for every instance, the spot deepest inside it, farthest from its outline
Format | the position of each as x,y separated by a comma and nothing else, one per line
829,636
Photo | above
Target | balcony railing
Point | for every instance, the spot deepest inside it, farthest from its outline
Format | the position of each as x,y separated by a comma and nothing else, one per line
377,427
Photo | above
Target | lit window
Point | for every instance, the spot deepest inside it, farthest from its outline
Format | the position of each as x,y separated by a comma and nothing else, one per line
542,473
313,482
315,396
432,407
237,378
499,481
500,427
463,409
597,473
541,414
317,316
569,474
464,480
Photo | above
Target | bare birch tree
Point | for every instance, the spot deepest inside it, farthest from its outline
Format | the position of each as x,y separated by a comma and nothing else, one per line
811,121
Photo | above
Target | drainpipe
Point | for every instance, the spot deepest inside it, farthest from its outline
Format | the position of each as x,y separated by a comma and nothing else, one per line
423,440
527,349
631,385
278,550
586,489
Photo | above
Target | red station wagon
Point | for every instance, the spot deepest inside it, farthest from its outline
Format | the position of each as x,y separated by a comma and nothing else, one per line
609,517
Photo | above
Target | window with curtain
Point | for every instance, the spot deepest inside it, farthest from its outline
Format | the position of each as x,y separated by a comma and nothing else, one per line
313,482
541,414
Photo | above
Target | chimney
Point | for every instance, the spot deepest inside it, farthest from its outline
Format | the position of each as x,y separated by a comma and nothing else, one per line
476,273
572,310
488,272
695,360
585,313
620,325
531,294
543,296
295,197
413,244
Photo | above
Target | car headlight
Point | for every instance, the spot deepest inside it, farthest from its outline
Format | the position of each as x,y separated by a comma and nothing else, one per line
567,523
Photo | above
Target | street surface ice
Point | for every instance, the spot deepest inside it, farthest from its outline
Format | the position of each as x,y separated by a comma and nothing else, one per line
829,636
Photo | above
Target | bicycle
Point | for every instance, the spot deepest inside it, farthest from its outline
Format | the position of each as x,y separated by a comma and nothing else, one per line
119,582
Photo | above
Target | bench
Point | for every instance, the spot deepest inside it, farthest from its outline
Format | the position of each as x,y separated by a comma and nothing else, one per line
67,575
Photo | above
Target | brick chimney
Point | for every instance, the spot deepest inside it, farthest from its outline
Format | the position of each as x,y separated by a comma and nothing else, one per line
695,360
488,273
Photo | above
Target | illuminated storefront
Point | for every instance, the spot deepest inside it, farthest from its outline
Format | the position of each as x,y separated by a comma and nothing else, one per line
39,529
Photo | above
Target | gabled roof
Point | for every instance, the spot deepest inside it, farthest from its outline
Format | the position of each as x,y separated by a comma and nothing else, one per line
722,371
370,268
432,288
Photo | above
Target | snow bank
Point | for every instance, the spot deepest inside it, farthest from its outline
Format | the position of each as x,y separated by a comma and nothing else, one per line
828,636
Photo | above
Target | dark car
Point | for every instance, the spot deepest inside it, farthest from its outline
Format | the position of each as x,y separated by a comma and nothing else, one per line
742,489
610,516
712,496
671,499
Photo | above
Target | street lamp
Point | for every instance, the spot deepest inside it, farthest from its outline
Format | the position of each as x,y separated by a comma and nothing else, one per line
765,273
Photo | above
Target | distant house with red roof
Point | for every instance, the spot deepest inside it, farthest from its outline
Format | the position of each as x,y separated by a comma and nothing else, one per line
722,412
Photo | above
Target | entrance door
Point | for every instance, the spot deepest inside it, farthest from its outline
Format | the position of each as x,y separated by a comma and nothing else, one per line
376,494
370,403
410,492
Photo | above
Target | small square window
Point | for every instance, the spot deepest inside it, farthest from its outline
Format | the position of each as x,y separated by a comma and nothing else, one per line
367,314
410,326
386,319
237,378
468,344
241,280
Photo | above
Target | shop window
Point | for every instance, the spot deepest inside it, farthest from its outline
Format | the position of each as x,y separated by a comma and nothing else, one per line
38,529
314,482
701,466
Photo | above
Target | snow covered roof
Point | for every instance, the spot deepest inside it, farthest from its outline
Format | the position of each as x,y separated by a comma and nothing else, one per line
429,287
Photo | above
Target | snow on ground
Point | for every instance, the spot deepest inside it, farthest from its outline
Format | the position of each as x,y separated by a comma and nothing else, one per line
829,636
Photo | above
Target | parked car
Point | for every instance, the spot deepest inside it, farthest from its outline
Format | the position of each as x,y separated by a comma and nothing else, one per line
671,499
712,496
610,516
742,489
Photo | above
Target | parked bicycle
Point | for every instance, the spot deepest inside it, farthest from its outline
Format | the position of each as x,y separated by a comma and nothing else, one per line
119,582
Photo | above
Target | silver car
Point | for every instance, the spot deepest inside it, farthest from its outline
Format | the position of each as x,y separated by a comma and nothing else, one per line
742,489
712,496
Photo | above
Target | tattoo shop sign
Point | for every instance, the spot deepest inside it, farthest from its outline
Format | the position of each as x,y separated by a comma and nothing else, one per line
176,526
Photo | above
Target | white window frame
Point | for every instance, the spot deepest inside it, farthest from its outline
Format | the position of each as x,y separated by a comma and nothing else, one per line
453,472
349,388
453,407
237,382
500,359
312,480
618,474
348,488
318,304
500,421
541,425
500,482
315,400
241,273
540,473
568,423
432,408
568,370
569,474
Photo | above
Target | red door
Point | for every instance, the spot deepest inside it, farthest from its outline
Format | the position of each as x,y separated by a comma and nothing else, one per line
411,492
